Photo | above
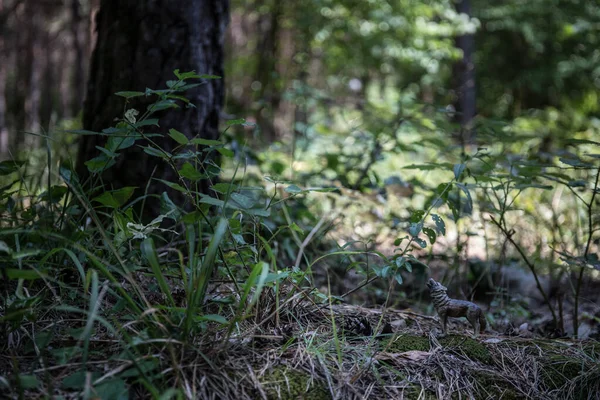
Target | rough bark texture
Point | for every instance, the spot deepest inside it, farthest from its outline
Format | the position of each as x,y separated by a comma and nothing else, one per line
139,44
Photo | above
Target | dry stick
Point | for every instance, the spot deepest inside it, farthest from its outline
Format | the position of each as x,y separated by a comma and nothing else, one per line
585,254
509,235
309,237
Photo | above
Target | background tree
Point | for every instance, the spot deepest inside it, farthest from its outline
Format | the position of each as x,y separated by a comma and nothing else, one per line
139,45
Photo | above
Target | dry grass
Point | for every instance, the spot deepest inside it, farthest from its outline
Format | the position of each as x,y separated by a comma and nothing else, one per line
306,351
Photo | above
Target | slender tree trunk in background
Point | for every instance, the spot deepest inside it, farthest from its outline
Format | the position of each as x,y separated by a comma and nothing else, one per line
34,94
268,94
79,61
46,106
139,45
464,75
3,63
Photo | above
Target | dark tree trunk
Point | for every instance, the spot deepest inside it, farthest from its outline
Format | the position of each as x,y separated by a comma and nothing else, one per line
3,62
78,65
139,45
464,75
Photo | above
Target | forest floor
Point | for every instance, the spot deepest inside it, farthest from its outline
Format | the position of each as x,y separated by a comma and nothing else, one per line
307,351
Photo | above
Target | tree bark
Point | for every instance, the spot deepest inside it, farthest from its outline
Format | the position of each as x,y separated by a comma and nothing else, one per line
464,75
139,45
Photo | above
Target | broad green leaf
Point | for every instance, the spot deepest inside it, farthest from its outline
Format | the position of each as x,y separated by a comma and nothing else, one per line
415,228
162,105
108,153
28,381
190,172
293,189
173,185
115,198
130,94
224,188
458,170
469,205
178,136
156,152
439,224
430,234
225,152
421,242
243,200
55,193
416,216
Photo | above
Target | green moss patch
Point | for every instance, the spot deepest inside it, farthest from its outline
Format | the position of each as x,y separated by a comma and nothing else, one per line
471,348
402,343
287,384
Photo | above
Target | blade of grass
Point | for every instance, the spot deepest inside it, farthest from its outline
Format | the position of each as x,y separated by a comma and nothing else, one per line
149,252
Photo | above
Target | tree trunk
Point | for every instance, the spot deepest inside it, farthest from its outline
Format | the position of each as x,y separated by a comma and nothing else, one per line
139,45
464,75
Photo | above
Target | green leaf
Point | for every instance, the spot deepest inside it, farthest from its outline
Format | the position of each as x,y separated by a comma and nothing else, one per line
458,170
147,122
115,143
162,105
238,121
109,154
157,153
129,95
178,136
421,242
173,185
469,205
439,224
225,152
398,278
186,75
149,252
430,234
27,274
188,171
28,381
225,188
115,389
293,189
213,318
244,201
205,142
115,198
415,228
417,216
55,193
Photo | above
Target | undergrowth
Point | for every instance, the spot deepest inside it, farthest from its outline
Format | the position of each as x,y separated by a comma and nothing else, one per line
218,299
